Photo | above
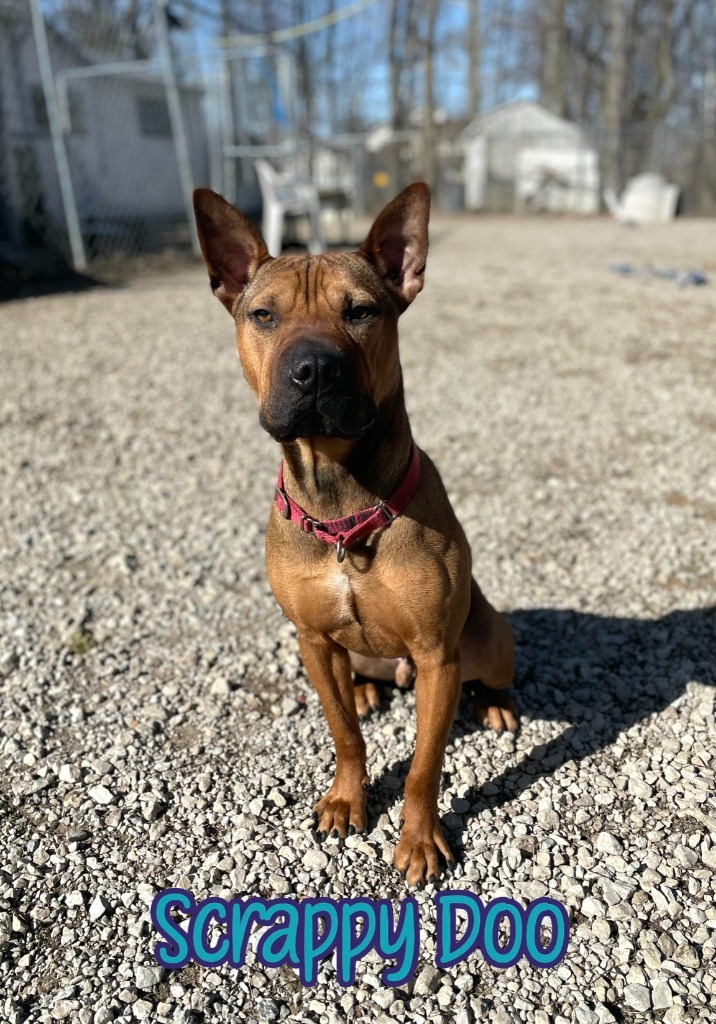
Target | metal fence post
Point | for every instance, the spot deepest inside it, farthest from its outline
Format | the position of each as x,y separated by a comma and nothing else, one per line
69,206
176,117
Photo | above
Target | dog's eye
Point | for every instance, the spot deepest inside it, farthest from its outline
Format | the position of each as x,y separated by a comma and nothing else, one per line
262,316
362,312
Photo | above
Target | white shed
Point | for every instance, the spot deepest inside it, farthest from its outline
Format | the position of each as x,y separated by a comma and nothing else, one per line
521,157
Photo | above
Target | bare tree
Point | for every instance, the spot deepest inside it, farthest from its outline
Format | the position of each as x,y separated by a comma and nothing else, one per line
613,94
120,29
553,56
474,58
429,139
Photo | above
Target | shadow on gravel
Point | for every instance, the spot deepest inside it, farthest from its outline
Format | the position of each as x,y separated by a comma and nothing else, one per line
600,674
36,279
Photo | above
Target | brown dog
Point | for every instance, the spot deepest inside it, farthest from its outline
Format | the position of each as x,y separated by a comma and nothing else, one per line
318,341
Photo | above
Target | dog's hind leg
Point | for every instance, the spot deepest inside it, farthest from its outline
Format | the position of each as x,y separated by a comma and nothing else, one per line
367,695
371,672
487,656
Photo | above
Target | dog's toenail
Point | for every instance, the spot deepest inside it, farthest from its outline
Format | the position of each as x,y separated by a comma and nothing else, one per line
352,830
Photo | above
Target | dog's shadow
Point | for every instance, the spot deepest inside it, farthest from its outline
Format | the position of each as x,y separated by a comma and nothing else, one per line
600,674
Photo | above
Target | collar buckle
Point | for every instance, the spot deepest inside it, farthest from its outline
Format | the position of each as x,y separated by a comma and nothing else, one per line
307,523
382,507
282,503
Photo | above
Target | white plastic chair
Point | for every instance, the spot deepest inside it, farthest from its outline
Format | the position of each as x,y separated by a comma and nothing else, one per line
283,195
647,199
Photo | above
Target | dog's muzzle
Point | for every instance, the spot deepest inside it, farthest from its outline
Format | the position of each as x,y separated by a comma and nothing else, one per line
316,394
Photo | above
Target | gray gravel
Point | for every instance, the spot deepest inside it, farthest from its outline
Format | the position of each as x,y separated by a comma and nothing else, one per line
157,728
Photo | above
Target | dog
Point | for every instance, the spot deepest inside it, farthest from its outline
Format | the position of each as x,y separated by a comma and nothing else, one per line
363,550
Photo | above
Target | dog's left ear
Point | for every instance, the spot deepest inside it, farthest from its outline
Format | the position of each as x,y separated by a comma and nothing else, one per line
233,249
397,244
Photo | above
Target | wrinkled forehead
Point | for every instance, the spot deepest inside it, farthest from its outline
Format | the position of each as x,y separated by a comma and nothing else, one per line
327,283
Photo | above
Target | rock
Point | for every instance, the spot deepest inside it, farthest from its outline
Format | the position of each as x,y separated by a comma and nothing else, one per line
637,998
640,789
315,860
99,907
383,997
103,1015
101,795
153,809
661,996
64,1008
219,687
267,1009
592,907
460,805
686,955
75,898
584,1015
69,773
427,981
446,996
147,978
607,843
548,818
289,706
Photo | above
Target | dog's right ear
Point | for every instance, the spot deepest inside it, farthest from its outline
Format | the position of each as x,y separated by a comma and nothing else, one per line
233,249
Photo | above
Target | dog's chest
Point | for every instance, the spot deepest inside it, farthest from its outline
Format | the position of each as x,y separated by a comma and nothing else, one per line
341,590
353,612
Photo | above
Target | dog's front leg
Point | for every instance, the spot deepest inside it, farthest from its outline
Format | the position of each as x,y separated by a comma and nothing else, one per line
437,690
343,809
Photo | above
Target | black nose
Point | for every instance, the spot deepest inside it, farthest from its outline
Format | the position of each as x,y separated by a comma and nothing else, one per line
314,367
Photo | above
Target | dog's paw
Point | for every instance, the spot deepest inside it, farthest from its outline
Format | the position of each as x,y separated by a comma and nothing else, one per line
417,855
495,709
341,813
367,697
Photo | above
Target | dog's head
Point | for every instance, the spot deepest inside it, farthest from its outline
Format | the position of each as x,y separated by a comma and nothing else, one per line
317,335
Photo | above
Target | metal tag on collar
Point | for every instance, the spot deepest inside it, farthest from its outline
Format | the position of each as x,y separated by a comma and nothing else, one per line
340,549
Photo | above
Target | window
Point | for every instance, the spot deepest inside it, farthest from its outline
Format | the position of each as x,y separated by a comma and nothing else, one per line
39,108
76,111
154,116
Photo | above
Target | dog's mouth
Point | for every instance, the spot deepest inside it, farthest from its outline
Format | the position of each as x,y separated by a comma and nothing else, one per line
346,417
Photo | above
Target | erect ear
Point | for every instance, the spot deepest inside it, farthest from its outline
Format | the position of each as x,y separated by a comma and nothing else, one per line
397,244
232,247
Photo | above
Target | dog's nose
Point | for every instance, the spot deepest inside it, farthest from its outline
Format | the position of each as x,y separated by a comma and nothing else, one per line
315,368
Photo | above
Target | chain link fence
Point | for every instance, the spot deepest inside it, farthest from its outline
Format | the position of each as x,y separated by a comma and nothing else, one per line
102,130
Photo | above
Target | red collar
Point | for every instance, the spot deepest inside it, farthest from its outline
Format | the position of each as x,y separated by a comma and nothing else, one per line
346,531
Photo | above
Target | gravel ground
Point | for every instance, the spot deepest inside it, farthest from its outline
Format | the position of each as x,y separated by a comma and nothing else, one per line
157,729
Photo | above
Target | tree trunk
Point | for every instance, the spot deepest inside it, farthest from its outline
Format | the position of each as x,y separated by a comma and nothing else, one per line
429,140
613,96
474,58
552,65
395,60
